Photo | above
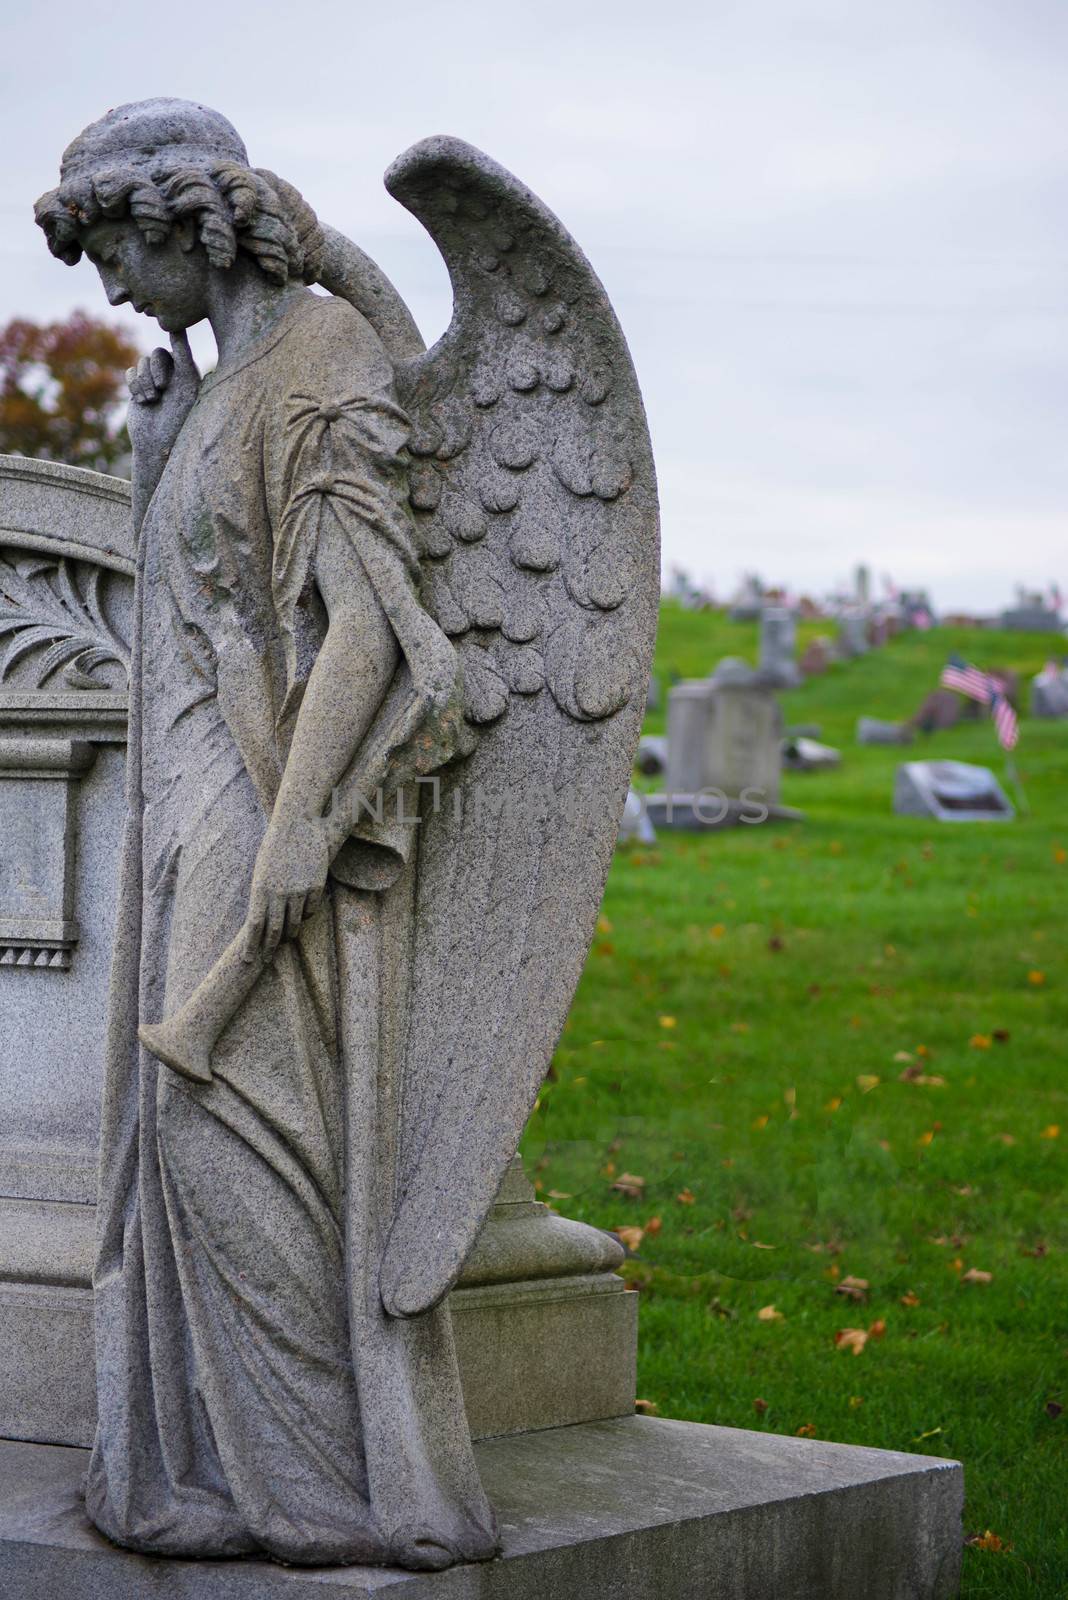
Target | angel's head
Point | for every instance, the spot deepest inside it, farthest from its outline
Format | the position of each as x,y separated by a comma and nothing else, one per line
159,195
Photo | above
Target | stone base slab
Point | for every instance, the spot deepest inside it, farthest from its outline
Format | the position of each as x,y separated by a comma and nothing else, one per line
635,1509
540,1354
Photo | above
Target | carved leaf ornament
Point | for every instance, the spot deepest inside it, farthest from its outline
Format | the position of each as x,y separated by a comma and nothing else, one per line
52,616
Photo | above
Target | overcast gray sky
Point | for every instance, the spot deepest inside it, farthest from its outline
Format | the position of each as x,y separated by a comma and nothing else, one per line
835,231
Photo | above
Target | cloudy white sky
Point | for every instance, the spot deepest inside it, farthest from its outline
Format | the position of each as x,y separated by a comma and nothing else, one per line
835,231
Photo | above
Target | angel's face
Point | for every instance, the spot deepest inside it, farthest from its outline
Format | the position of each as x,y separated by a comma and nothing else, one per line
168,281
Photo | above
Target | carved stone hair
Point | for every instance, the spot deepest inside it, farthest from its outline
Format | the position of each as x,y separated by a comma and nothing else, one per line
161,161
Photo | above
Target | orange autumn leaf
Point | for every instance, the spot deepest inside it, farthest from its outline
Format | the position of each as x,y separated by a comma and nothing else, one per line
760,1406
653,1227
851,1339
760,1122
631,1236
648,1408
686,1198
807,1430
989,1541
980,1041
1036,978
769,1314
833,1103
668,1022
927,1137
910,1300
977,1275
1052,1132
877,1328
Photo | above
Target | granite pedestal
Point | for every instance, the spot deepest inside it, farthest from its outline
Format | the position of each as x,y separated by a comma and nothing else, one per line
635,1509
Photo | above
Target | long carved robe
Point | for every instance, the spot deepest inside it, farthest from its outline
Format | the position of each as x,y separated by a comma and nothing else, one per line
253,1395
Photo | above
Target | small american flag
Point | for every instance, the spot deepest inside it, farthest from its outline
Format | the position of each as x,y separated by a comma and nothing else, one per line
1006,725
989,690
967,680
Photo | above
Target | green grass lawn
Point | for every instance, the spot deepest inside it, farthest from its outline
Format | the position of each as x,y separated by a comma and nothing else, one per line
751,1038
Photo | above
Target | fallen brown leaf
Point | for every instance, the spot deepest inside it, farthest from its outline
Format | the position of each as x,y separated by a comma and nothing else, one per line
629,1184
910,1300
853,1288
769,1314
1053,1409
648,1408
760,1406
977,1275
631,1236
686,1198
653,1227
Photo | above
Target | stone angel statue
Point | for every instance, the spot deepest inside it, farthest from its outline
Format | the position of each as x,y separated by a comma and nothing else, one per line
395,618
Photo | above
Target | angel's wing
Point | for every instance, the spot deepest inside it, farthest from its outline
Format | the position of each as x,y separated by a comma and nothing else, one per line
535,499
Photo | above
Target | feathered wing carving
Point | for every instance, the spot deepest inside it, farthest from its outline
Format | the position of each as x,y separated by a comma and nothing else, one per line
535,499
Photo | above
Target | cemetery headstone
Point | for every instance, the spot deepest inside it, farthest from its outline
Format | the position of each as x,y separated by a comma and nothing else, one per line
853,635
778,647
1032,613
872,730
809,755
950,791
816,657
652,754
1049,692
724,762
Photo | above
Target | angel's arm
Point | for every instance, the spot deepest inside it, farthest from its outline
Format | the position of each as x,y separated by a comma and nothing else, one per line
351,674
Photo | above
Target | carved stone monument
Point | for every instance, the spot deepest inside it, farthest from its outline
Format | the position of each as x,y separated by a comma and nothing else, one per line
545,1333
724,752
388,651
778,648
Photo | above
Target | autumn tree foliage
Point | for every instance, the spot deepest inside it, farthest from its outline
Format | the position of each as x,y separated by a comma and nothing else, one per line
62,391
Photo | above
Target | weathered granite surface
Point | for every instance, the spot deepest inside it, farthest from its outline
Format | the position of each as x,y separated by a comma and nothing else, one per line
66,594
545,1332
950,791
638,1509
368,576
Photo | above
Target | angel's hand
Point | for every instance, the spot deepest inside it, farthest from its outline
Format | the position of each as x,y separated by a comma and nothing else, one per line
163,387
287,885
